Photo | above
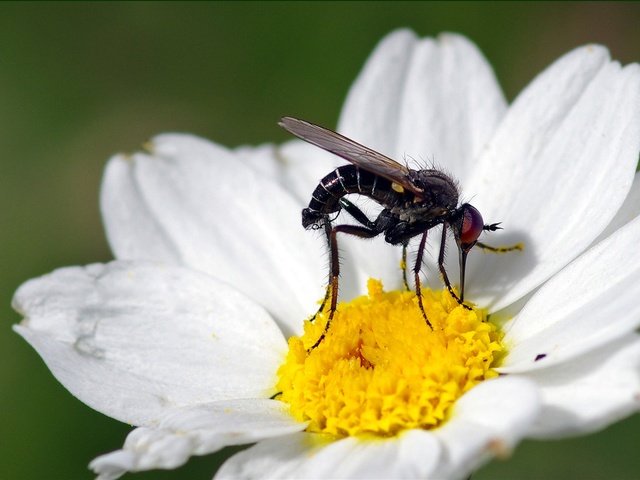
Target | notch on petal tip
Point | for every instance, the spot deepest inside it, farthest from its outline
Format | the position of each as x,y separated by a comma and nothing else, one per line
148,146
499,448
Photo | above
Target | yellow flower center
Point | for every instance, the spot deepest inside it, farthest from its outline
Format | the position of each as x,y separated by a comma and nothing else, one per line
381,369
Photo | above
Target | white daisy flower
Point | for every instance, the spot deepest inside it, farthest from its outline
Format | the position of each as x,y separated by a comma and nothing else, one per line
184,335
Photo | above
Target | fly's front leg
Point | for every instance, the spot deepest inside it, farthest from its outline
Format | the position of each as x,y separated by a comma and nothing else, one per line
416,275
443,271
492,228
512,248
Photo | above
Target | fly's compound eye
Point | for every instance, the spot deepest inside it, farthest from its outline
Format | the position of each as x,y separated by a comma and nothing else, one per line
472,226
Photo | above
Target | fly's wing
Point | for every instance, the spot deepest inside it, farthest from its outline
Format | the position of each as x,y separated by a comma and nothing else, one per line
359,155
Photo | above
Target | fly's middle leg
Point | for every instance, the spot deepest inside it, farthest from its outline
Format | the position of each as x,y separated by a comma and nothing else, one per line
403,266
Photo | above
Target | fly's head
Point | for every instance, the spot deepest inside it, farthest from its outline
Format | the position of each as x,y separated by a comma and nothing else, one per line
467,225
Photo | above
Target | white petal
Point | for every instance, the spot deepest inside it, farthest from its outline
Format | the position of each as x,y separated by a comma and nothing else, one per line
451,105
487,422
303,167
299,167
424,99
296,165
591,302
556,172
132,340
264,159
413,454
371,112
429,99
194,203
590,392
197,430
629,210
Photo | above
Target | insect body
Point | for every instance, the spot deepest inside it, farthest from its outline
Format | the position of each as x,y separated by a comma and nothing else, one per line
413,201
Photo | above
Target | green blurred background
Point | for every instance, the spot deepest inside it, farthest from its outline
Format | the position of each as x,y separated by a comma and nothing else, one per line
81,81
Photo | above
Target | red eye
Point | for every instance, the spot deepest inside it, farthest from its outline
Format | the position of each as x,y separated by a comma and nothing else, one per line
472,225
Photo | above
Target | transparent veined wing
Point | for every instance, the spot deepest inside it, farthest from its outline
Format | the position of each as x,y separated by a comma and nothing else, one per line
352,151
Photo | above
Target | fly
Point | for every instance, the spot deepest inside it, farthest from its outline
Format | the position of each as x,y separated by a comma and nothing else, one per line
413,201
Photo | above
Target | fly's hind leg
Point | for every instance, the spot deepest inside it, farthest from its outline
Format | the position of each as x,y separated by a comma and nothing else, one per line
327,292
358,215
368,230
332,290
416,274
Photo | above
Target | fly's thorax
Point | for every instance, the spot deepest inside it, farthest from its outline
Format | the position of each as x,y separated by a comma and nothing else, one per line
439,189
422,213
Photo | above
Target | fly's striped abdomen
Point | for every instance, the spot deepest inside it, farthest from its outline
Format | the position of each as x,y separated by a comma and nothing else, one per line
344,181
